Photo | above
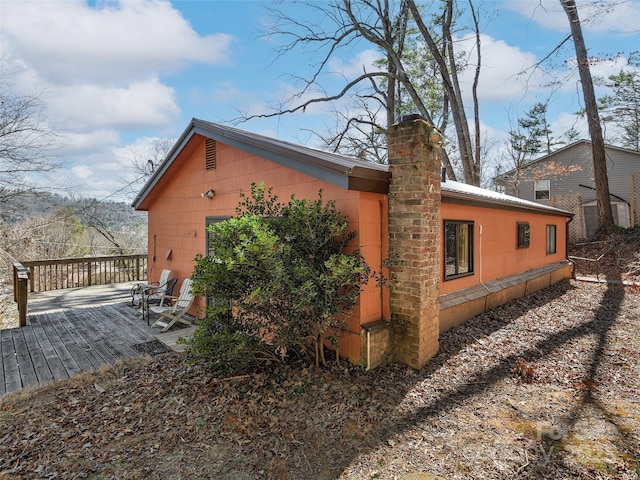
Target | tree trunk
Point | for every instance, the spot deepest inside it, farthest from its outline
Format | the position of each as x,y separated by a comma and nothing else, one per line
605,217
447,66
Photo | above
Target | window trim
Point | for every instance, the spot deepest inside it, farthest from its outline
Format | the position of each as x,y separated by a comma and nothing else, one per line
469,247
536,189
523,235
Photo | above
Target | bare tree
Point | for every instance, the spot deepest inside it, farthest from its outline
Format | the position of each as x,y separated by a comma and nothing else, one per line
25,140
448,68
605,216
394,86
145,164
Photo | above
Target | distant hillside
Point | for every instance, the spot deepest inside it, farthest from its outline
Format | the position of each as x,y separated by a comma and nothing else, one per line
112,215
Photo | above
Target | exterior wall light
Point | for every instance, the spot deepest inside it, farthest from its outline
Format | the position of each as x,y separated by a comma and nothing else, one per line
208,194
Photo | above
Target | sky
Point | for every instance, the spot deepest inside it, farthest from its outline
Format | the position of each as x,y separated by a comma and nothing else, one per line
116,75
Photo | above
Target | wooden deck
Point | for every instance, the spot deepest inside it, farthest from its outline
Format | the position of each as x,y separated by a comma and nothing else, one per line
94,326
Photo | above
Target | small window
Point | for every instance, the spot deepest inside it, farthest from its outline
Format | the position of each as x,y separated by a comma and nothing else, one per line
210,154
542,189
551,239
458,249
524,235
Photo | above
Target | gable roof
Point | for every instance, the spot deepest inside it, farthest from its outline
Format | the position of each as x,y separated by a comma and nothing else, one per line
343,171
544,158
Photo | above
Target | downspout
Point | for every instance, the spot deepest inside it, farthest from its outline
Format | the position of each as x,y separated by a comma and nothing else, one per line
480,261
566,247
384,259
381,210
368,350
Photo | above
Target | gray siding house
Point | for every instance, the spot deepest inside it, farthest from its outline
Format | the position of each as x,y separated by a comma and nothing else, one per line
564,179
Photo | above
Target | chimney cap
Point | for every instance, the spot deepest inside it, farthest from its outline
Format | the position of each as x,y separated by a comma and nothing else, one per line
411,117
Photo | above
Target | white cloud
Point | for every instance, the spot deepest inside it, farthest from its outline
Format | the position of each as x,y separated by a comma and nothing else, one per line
101,174
86,142
137,105
294,92
616,17
98,67
82,172
565,122
70,42
357,65
501,74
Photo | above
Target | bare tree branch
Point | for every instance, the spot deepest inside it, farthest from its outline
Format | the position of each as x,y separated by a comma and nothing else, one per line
25,140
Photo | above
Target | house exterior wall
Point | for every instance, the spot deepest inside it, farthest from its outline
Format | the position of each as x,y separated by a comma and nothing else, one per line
570,171
400,323
620,165
495,251
177,215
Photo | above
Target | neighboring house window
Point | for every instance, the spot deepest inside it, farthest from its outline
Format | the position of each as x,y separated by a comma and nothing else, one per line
551,239
524,235
458,249
210,154
542,189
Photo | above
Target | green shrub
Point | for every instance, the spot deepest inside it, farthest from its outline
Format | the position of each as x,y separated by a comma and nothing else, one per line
285,270
222,344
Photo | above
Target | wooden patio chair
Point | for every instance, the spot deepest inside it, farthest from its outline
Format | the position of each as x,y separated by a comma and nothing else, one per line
157,298
159,288
170,314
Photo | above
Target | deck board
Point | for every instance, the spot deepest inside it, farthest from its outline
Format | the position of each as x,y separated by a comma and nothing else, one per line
40,365
12,381
51,357
23,356
79,344
66,335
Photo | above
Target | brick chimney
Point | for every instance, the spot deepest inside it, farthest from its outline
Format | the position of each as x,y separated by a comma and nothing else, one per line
414,239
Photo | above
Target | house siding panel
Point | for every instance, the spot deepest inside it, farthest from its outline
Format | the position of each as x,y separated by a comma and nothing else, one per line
495,250
570,171
177,214
576,158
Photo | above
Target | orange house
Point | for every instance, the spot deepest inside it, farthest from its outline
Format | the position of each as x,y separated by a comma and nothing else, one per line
460,249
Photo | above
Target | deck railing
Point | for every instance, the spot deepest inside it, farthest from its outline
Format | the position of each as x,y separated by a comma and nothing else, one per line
61,273
43,275
20,281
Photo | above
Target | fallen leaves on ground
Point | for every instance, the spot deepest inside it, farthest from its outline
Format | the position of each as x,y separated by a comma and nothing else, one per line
543,387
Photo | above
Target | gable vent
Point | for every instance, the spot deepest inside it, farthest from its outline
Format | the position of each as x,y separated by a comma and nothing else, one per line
210,154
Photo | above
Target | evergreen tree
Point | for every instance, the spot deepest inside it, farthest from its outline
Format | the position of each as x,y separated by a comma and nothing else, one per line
622,107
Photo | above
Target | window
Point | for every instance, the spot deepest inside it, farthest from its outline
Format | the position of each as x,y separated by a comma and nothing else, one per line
524,235
551,239
210,155
542,189
458,249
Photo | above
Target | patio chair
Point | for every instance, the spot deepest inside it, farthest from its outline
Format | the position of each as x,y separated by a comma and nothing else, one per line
139,290
157,298
170,314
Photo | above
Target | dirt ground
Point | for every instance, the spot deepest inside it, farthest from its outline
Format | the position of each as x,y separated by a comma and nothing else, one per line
543,387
